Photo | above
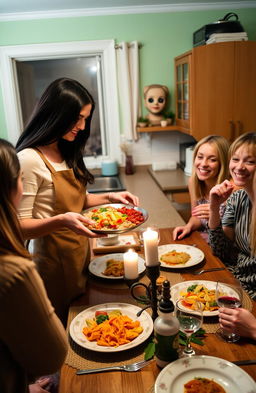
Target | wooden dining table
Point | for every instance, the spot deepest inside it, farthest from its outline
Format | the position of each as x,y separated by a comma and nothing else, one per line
143,381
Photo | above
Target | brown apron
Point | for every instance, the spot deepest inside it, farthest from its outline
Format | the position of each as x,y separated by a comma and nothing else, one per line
63,256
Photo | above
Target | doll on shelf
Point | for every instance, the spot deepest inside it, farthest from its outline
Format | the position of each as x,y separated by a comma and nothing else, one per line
155,97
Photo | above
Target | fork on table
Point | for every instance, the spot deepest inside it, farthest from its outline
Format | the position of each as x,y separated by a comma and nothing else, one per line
214,269
129,367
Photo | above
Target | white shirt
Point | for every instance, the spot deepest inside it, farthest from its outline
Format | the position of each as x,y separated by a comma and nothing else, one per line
38,192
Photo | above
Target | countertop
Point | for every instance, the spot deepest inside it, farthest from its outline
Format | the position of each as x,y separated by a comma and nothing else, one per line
170,180
161,212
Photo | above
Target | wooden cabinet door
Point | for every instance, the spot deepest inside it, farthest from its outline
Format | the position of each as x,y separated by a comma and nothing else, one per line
183,91
244,113
213,90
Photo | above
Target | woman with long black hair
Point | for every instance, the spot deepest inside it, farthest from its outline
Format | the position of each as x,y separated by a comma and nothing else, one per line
55,178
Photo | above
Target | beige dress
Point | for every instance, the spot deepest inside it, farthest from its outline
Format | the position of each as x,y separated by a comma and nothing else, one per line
32,339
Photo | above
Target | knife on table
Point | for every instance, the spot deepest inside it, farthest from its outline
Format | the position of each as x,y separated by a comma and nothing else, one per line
244,362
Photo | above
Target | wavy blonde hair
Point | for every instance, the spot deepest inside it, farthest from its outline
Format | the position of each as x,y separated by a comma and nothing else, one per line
221,146
11,239
248,140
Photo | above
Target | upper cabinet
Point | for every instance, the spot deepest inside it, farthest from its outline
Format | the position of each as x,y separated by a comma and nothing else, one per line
216,89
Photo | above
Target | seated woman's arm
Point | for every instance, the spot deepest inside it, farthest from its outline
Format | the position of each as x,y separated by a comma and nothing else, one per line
193,223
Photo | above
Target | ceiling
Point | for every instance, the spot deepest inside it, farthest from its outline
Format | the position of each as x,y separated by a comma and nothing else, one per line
24,6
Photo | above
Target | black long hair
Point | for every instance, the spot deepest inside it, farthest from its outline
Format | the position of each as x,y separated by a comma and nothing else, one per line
55,114
11,239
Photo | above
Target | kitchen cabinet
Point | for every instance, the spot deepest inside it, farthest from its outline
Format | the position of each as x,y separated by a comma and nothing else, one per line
217,89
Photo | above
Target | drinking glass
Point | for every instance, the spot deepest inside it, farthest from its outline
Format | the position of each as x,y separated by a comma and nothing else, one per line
229,296
190,322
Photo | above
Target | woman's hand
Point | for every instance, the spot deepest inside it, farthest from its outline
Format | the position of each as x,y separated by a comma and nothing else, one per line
239,320
123,197
77,223
39,385
220,193
180,232
201,211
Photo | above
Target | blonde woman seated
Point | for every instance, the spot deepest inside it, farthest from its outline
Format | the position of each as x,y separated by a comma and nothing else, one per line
233,236
210,168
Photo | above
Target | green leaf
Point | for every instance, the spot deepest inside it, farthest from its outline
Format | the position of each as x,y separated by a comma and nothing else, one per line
181,341
194,337
150,350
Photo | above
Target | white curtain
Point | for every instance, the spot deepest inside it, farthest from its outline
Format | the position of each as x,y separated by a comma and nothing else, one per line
127,56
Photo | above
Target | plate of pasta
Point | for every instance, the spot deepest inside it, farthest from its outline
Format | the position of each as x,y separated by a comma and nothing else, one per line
198,290
111,266
176,377
91,334
115,218
179,256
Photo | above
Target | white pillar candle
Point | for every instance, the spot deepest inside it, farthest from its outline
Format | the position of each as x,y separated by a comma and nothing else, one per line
130,265
150,238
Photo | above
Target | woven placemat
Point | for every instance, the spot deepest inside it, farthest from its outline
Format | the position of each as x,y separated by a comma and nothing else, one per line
79,357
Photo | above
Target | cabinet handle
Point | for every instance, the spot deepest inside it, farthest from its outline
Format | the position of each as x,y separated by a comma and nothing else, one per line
240,127
232,131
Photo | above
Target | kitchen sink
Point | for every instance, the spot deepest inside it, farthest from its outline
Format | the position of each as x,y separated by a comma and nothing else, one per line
105,184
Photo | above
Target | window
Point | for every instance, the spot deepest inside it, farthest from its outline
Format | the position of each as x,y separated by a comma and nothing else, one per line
28,69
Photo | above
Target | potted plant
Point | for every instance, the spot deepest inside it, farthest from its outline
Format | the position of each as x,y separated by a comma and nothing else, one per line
170,117
164,122
142,122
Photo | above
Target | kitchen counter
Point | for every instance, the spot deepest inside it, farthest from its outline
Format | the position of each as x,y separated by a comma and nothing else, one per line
170,180
161,212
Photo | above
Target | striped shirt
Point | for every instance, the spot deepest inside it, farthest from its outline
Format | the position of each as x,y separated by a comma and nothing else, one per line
236,254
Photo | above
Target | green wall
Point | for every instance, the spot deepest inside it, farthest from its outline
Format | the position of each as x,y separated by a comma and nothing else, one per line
163,36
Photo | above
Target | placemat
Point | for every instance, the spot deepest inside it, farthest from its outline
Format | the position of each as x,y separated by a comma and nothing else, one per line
174,278
79,357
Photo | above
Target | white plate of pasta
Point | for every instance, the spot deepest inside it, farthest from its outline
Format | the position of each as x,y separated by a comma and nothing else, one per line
110,266
230,377
179,256
79,323
198,290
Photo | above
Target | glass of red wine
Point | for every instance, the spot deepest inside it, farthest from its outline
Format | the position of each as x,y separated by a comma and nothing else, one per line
190,320
228,296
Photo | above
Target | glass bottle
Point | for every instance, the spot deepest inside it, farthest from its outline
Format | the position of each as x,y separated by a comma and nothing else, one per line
166,330
129,167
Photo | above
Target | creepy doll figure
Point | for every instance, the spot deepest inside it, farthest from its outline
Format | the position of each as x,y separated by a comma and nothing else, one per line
155,97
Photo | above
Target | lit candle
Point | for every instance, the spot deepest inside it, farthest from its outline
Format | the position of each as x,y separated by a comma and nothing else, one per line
150,238
130,265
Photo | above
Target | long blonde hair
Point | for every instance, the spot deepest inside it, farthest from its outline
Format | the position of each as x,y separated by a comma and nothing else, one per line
11,239
222,147
248,140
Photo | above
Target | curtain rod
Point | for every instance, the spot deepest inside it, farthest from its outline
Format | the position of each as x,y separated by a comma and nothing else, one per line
118,46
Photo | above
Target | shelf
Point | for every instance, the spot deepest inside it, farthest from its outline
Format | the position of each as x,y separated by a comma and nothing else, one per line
157,128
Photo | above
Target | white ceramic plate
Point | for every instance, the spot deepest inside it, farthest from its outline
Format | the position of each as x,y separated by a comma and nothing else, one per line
78,323
196,255
231,377
98,265
182,287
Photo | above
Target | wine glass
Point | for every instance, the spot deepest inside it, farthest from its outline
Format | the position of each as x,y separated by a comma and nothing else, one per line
229,296
190,322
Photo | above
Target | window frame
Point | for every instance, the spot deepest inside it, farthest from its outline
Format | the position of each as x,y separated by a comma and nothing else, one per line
106,48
